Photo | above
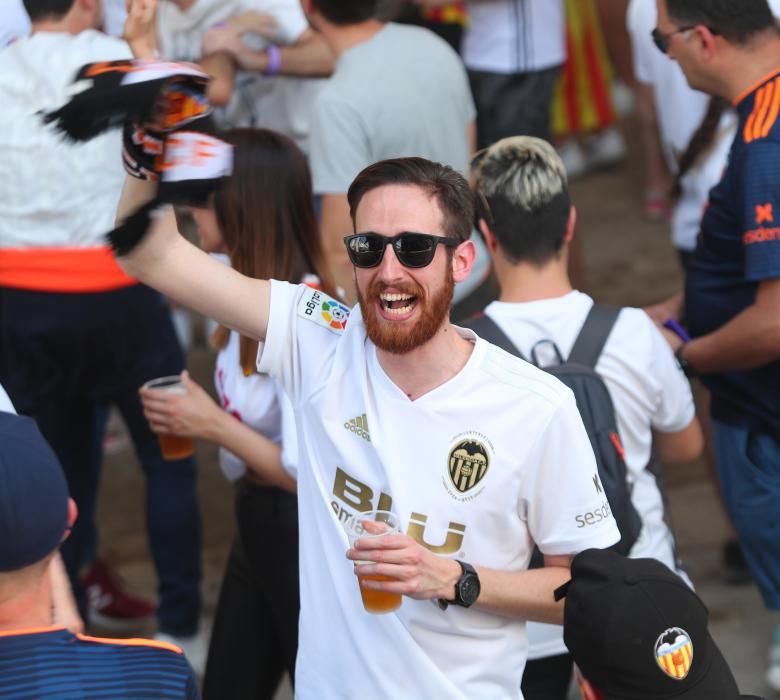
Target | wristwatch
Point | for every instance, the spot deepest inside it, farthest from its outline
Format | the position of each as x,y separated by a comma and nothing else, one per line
685,366
467,588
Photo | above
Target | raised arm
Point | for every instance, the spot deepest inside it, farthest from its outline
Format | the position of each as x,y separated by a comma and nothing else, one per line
172,265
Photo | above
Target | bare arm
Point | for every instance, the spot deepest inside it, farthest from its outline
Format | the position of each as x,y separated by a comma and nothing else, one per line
172,265
684,445
335,223
221,70
419,573
309,56
749,340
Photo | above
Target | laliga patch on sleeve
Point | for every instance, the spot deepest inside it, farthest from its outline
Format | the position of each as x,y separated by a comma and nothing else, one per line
323,310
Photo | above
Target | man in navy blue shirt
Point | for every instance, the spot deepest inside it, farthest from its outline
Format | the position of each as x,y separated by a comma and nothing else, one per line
732,49
39,659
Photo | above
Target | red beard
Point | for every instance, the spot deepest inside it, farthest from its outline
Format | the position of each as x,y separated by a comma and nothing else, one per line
400,337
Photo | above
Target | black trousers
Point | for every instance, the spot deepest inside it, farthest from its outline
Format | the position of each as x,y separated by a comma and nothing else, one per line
255,635
513,104
548,678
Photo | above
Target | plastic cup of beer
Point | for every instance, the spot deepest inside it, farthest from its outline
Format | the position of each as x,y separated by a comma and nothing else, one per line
172,446
367,525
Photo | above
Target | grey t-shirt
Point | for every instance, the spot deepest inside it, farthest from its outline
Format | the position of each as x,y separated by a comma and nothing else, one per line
404,92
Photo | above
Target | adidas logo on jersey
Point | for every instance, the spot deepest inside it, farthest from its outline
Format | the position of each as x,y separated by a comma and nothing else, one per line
359,426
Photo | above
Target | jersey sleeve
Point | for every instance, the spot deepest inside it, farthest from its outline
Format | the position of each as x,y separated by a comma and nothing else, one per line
760,210
304,327
564,503
339,145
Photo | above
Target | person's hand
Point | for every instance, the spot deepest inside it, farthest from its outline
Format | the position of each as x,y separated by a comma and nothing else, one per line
415,571
252,22
223,39
194,414
140,30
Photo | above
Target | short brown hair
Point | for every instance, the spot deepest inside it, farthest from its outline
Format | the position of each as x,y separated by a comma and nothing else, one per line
447,186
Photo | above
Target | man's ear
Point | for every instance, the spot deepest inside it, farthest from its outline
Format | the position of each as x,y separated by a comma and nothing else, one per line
73,513
571,224
463,258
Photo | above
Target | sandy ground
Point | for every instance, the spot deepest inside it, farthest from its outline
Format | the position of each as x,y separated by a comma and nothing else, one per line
630,261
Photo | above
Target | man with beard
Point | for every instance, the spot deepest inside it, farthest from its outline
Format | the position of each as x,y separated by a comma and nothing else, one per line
397,409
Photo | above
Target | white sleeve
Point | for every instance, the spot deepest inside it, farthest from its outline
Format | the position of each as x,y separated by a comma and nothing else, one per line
563,501
304,327
289,436
5,403
290,20
640,21
675,408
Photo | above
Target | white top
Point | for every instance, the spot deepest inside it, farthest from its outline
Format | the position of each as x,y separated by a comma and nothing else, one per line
279,103
14,22
648,390
372,107
515,36
5,403
680,111
54,193
506,433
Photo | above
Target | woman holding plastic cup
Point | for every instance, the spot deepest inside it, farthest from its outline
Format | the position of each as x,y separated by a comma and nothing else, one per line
263,219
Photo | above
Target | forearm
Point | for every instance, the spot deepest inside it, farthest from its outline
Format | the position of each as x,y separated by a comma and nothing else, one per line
261,455
312,59
527,595
751,339
175,267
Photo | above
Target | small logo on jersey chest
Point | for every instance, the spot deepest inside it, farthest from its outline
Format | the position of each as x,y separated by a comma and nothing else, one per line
468,463
359,426
322,310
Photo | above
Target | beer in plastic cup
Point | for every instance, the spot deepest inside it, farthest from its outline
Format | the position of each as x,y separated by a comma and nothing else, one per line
172,446
374,523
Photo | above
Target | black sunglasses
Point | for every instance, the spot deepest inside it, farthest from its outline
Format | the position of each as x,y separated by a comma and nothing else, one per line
661,39
411,249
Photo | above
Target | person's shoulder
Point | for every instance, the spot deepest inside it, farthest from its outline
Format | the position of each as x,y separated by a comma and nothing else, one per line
515,375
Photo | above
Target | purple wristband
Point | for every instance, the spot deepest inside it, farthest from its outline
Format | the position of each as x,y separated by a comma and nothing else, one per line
274,60
677,329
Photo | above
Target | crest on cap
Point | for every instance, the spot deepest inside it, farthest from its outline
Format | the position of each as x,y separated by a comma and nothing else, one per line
674,653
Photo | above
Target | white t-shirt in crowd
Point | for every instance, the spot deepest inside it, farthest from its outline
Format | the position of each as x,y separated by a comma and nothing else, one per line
83,183
14,22
279,103
5,403
649,393
474,470
515,36
680,111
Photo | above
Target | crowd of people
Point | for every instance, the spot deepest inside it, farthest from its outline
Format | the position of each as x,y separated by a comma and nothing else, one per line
375,219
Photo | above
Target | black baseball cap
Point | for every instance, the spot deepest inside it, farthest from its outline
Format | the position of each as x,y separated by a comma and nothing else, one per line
638,632
33,495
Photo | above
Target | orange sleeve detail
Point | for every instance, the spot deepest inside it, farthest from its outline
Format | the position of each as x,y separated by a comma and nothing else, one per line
766,103
771,118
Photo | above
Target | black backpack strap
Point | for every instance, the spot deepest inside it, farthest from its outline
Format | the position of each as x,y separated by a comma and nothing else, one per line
593,335
487,329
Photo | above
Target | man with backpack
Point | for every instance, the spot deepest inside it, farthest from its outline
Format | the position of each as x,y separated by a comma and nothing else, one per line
524,212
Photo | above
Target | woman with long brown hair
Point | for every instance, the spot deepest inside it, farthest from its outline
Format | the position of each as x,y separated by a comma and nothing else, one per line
263,219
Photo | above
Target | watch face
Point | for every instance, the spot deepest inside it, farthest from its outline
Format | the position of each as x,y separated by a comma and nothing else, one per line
469,589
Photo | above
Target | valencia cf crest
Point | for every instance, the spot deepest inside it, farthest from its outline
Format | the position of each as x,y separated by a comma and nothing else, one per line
469,462
674,653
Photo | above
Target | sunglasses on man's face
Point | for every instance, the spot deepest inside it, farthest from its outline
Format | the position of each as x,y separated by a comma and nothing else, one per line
411,249
662,39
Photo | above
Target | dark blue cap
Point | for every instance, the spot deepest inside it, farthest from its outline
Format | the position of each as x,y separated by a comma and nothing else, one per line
33,494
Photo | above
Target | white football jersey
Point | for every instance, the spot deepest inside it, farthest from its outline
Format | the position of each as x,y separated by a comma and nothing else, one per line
477,469
648,390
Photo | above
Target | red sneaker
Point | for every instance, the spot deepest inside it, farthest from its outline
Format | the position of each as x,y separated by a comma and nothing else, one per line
110,605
